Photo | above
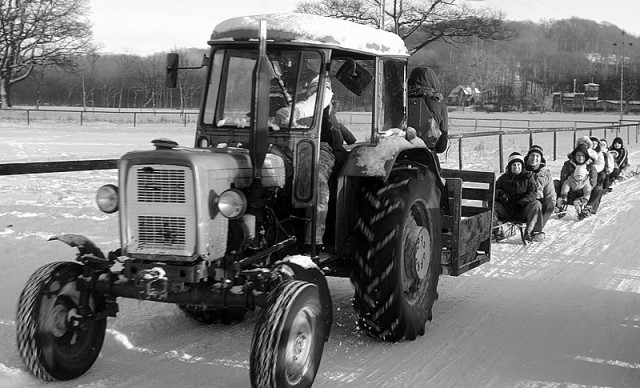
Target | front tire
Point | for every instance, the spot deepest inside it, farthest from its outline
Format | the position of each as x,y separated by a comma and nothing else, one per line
58,338
287,343
398,254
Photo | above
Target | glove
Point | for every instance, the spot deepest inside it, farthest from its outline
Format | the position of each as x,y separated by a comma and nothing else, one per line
560,202
504,198
283,115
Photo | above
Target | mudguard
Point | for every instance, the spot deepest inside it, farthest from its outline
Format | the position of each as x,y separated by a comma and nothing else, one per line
378,160
374,161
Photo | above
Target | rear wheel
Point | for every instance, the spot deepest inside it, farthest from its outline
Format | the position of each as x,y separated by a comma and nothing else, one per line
287,343
58,337
398,255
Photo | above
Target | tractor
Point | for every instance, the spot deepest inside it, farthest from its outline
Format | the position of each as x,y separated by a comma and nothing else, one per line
218,228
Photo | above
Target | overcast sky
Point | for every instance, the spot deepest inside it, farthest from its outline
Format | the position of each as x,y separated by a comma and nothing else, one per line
146,26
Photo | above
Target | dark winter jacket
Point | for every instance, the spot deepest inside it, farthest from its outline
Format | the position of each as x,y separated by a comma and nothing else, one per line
516,191
335,134
424,83
622,160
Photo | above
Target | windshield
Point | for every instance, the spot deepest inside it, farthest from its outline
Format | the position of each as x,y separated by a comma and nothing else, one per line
229,97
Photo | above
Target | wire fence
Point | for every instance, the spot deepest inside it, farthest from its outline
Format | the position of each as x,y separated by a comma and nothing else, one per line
124,116
469,137
549,138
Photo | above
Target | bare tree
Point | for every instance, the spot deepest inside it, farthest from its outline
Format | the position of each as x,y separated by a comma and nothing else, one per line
37,33
418,23
89,75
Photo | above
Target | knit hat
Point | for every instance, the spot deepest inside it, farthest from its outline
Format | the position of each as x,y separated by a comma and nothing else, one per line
515,157
538,150
580,173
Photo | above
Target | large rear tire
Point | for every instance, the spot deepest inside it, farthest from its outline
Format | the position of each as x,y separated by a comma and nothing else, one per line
58,339
398,255
287,343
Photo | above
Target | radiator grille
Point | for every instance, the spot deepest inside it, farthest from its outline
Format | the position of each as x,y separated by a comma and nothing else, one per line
161,185
159,232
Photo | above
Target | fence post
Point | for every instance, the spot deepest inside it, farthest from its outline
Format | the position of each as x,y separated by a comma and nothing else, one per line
135,115
500,153
555,144
81,118
28,120
628,135
530,138
637,126
475,126
460,153
574,138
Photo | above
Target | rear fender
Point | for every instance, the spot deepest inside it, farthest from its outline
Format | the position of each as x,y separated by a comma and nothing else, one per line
355,173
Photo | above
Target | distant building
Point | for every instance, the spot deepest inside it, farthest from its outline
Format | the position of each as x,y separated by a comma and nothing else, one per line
464,95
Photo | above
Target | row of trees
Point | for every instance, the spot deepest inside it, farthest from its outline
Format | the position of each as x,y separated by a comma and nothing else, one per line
542,58
513,64
115,81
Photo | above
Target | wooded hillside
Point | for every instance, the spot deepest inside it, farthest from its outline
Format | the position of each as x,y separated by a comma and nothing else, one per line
541,58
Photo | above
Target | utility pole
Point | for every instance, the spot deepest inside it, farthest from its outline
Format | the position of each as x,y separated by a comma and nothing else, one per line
622,44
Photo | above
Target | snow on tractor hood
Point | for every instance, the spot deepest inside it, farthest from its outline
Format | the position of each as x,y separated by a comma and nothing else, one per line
313,29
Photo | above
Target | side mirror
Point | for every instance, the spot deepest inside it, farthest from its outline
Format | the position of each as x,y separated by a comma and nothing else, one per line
171,79
354,77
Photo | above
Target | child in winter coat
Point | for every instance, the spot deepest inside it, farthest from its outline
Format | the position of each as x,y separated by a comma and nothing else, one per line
579,156
599,161
592,155
516,196
609,166
622,159
578,181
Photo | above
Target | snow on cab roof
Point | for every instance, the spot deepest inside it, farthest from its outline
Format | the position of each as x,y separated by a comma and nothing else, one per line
306,28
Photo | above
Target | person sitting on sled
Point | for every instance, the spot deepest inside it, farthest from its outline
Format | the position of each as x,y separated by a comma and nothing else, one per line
578,181
622,160
516,192
579,156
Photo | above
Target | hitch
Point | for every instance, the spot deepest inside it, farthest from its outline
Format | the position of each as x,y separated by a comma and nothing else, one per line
153,282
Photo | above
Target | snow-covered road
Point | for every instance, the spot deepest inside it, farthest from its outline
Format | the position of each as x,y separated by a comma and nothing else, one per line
562,313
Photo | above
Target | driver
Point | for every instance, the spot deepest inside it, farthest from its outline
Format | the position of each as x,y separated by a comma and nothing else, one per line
333,135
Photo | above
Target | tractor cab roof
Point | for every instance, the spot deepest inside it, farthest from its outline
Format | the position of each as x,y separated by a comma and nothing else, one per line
312,30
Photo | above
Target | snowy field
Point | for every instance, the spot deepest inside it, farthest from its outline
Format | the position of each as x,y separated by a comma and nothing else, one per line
562,313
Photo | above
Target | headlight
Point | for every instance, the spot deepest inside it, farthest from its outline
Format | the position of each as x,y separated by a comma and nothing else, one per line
232,203
107,198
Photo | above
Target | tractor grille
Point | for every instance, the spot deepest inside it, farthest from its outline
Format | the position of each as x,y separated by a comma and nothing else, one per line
159,232
161,185
161,211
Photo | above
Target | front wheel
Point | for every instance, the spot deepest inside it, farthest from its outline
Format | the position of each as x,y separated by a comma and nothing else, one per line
58,337
287,343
